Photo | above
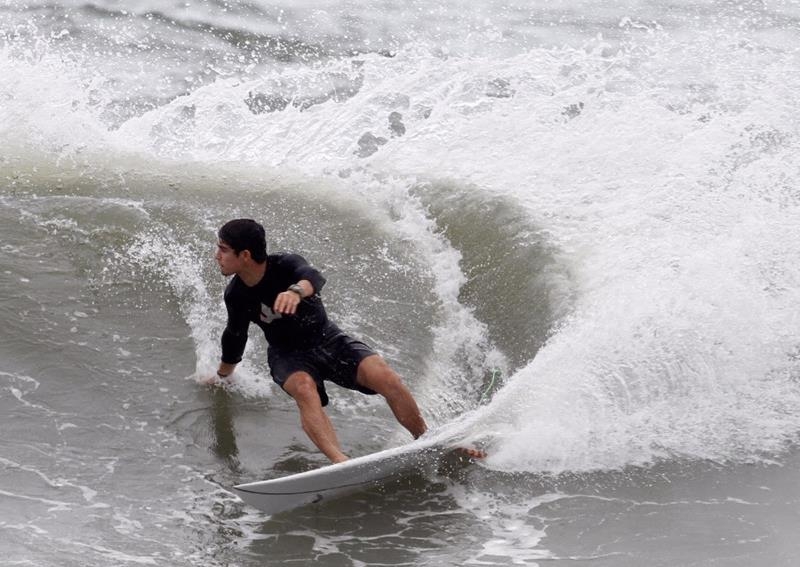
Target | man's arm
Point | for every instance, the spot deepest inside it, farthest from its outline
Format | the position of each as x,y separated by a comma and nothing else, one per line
286,303
308,281
234,338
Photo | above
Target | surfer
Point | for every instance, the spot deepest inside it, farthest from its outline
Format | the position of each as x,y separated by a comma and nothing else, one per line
280,294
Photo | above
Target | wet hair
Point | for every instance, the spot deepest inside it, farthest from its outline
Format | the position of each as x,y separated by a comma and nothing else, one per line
245,234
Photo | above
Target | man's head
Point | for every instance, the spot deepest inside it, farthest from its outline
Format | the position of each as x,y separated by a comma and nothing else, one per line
237,237
245,234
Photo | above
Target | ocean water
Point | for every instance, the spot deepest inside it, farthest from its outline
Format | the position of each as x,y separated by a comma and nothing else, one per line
572,226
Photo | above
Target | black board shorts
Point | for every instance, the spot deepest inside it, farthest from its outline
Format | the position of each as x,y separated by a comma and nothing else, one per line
336,360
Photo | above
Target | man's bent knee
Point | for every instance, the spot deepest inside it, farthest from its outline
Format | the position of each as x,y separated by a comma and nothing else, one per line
374,373
302,387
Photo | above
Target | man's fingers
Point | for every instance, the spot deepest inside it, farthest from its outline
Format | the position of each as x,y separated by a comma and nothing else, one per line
286,303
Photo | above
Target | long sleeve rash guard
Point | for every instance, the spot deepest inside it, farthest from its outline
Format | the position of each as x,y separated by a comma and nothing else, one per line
303,330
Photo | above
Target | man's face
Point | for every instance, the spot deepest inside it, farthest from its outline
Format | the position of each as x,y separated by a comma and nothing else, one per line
229,261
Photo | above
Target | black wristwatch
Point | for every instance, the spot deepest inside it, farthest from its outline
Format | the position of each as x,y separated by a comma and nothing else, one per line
297,288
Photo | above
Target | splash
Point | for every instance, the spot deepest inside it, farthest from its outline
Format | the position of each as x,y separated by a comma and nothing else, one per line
666,195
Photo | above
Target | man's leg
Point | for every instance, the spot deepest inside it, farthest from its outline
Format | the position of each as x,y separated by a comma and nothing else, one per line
315,421
375,374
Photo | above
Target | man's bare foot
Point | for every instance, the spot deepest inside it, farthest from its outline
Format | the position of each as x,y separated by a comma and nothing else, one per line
470,452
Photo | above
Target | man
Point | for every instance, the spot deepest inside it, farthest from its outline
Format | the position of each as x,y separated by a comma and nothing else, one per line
280,294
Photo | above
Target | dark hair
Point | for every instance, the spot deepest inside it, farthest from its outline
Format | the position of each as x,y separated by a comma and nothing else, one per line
245,234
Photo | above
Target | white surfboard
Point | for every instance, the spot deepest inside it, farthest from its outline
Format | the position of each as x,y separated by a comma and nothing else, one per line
285,493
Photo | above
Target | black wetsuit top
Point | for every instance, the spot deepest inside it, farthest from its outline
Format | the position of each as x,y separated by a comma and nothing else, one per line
304,330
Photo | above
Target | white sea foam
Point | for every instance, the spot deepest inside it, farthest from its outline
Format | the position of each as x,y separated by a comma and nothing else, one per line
667,195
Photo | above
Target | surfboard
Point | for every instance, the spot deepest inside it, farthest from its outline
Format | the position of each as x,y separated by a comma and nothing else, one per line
336,480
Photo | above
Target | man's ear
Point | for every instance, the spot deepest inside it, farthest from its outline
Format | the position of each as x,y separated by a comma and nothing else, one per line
246,255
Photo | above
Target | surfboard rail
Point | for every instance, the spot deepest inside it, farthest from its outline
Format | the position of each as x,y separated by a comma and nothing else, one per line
335,480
